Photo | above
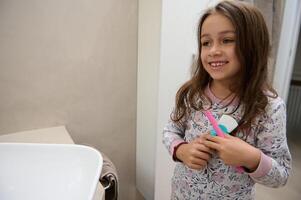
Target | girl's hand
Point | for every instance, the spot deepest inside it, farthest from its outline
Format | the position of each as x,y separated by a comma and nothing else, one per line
194,154
234,151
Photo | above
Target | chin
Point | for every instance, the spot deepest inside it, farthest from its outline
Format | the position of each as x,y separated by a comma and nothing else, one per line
217,77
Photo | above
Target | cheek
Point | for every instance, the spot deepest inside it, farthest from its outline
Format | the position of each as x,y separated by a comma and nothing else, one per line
234,57
203,57
233,53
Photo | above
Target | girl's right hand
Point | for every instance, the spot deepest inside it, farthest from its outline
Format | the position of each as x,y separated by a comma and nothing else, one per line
194,154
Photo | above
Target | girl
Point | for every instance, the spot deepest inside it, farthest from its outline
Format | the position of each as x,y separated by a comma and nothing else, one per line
231,78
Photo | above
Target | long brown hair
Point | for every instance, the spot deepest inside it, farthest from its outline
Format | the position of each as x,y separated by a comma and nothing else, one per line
252,49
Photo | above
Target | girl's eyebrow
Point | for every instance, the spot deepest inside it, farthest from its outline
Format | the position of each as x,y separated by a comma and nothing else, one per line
220,33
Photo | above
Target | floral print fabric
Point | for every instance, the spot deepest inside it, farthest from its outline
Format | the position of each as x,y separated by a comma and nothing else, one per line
220,181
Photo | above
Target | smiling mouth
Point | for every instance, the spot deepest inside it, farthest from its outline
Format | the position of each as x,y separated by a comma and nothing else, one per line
218,63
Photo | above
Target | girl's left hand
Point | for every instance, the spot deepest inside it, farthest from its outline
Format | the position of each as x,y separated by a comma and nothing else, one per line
234,151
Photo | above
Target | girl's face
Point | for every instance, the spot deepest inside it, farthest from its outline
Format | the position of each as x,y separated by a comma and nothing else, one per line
218,53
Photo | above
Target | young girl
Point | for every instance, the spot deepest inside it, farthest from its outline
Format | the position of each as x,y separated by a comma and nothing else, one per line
231,78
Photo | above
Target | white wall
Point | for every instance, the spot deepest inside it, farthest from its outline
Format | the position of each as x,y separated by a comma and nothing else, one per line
149,29
178,43
287,47
166,42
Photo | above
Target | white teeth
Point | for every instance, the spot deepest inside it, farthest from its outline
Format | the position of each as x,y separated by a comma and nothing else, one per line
217,64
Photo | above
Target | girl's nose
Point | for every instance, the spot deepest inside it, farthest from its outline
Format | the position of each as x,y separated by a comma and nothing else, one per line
215,51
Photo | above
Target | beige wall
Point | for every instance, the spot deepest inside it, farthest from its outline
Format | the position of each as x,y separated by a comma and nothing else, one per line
272,11
73,63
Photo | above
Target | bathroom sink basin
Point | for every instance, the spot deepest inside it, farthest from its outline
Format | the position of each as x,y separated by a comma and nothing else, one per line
48,171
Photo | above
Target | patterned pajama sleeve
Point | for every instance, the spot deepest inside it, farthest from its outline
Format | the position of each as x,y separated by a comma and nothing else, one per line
173,134
271,140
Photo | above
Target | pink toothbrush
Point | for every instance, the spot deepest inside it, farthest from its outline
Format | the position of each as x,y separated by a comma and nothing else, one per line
227,122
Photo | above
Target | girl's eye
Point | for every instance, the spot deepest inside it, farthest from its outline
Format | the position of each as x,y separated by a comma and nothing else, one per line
228,40
205,43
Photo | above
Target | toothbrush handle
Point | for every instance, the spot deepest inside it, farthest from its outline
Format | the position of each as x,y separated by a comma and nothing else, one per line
219,132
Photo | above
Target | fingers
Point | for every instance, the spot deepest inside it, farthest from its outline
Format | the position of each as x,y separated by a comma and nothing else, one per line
214,139
197,163
208,143
202,137
203,148
203,155
198,144
196,167
197,157
212,145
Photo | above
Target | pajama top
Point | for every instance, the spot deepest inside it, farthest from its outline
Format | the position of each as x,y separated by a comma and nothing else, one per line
218,180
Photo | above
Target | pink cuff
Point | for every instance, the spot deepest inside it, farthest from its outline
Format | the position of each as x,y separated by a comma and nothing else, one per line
263,168
173,145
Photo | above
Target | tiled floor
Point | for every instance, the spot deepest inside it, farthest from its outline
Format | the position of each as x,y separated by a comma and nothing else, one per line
292,191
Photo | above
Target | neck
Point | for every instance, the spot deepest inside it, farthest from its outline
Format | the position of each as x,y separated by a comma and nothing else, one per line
220,90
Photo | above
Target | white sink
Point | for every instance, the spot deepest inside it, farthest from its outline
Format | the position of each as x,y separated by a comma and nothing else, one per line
48,171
